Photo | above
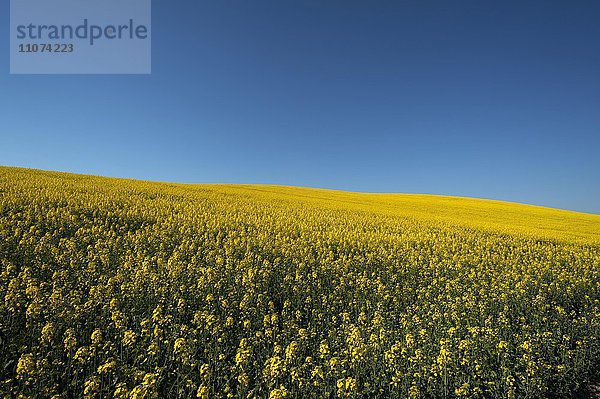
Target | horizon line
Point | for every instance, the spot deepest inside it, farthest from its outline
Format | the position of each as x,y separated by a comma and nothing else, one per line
301,187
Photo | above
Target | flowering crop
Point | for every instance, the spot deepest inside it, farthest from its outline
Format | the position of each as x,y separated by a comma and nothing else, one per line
115,288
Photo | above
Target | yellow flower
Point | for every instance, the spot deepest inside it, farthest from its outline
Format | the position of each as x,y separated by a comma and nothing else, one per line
70,342
129,338
97,337
243,379
463,390
91,387
203,392
82,355
108,367
291,351
25,365
48,333
120,391
278,393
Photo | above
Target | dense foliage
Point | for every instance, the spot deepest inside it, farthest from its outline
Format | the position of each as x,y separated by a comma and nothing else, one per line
123,289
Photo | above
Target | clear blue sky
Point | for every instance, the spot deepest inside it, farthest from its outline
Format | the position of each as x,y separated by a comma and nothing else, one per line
497,99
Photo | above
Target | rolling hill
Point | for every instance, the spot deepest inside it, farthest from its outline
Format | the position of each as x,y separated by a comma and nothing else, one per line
123,288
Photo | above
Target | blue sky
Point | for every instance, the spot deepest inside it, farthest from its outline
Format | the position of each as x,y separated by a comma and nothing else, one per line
483,99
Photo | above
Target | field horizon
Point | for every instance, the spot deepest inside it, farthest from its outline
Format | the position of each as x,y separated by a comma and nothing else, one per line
487,212
315,188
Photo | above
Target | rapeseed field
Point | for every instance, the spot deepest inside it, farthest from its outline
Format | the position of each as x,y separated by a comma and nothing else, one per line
114,288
